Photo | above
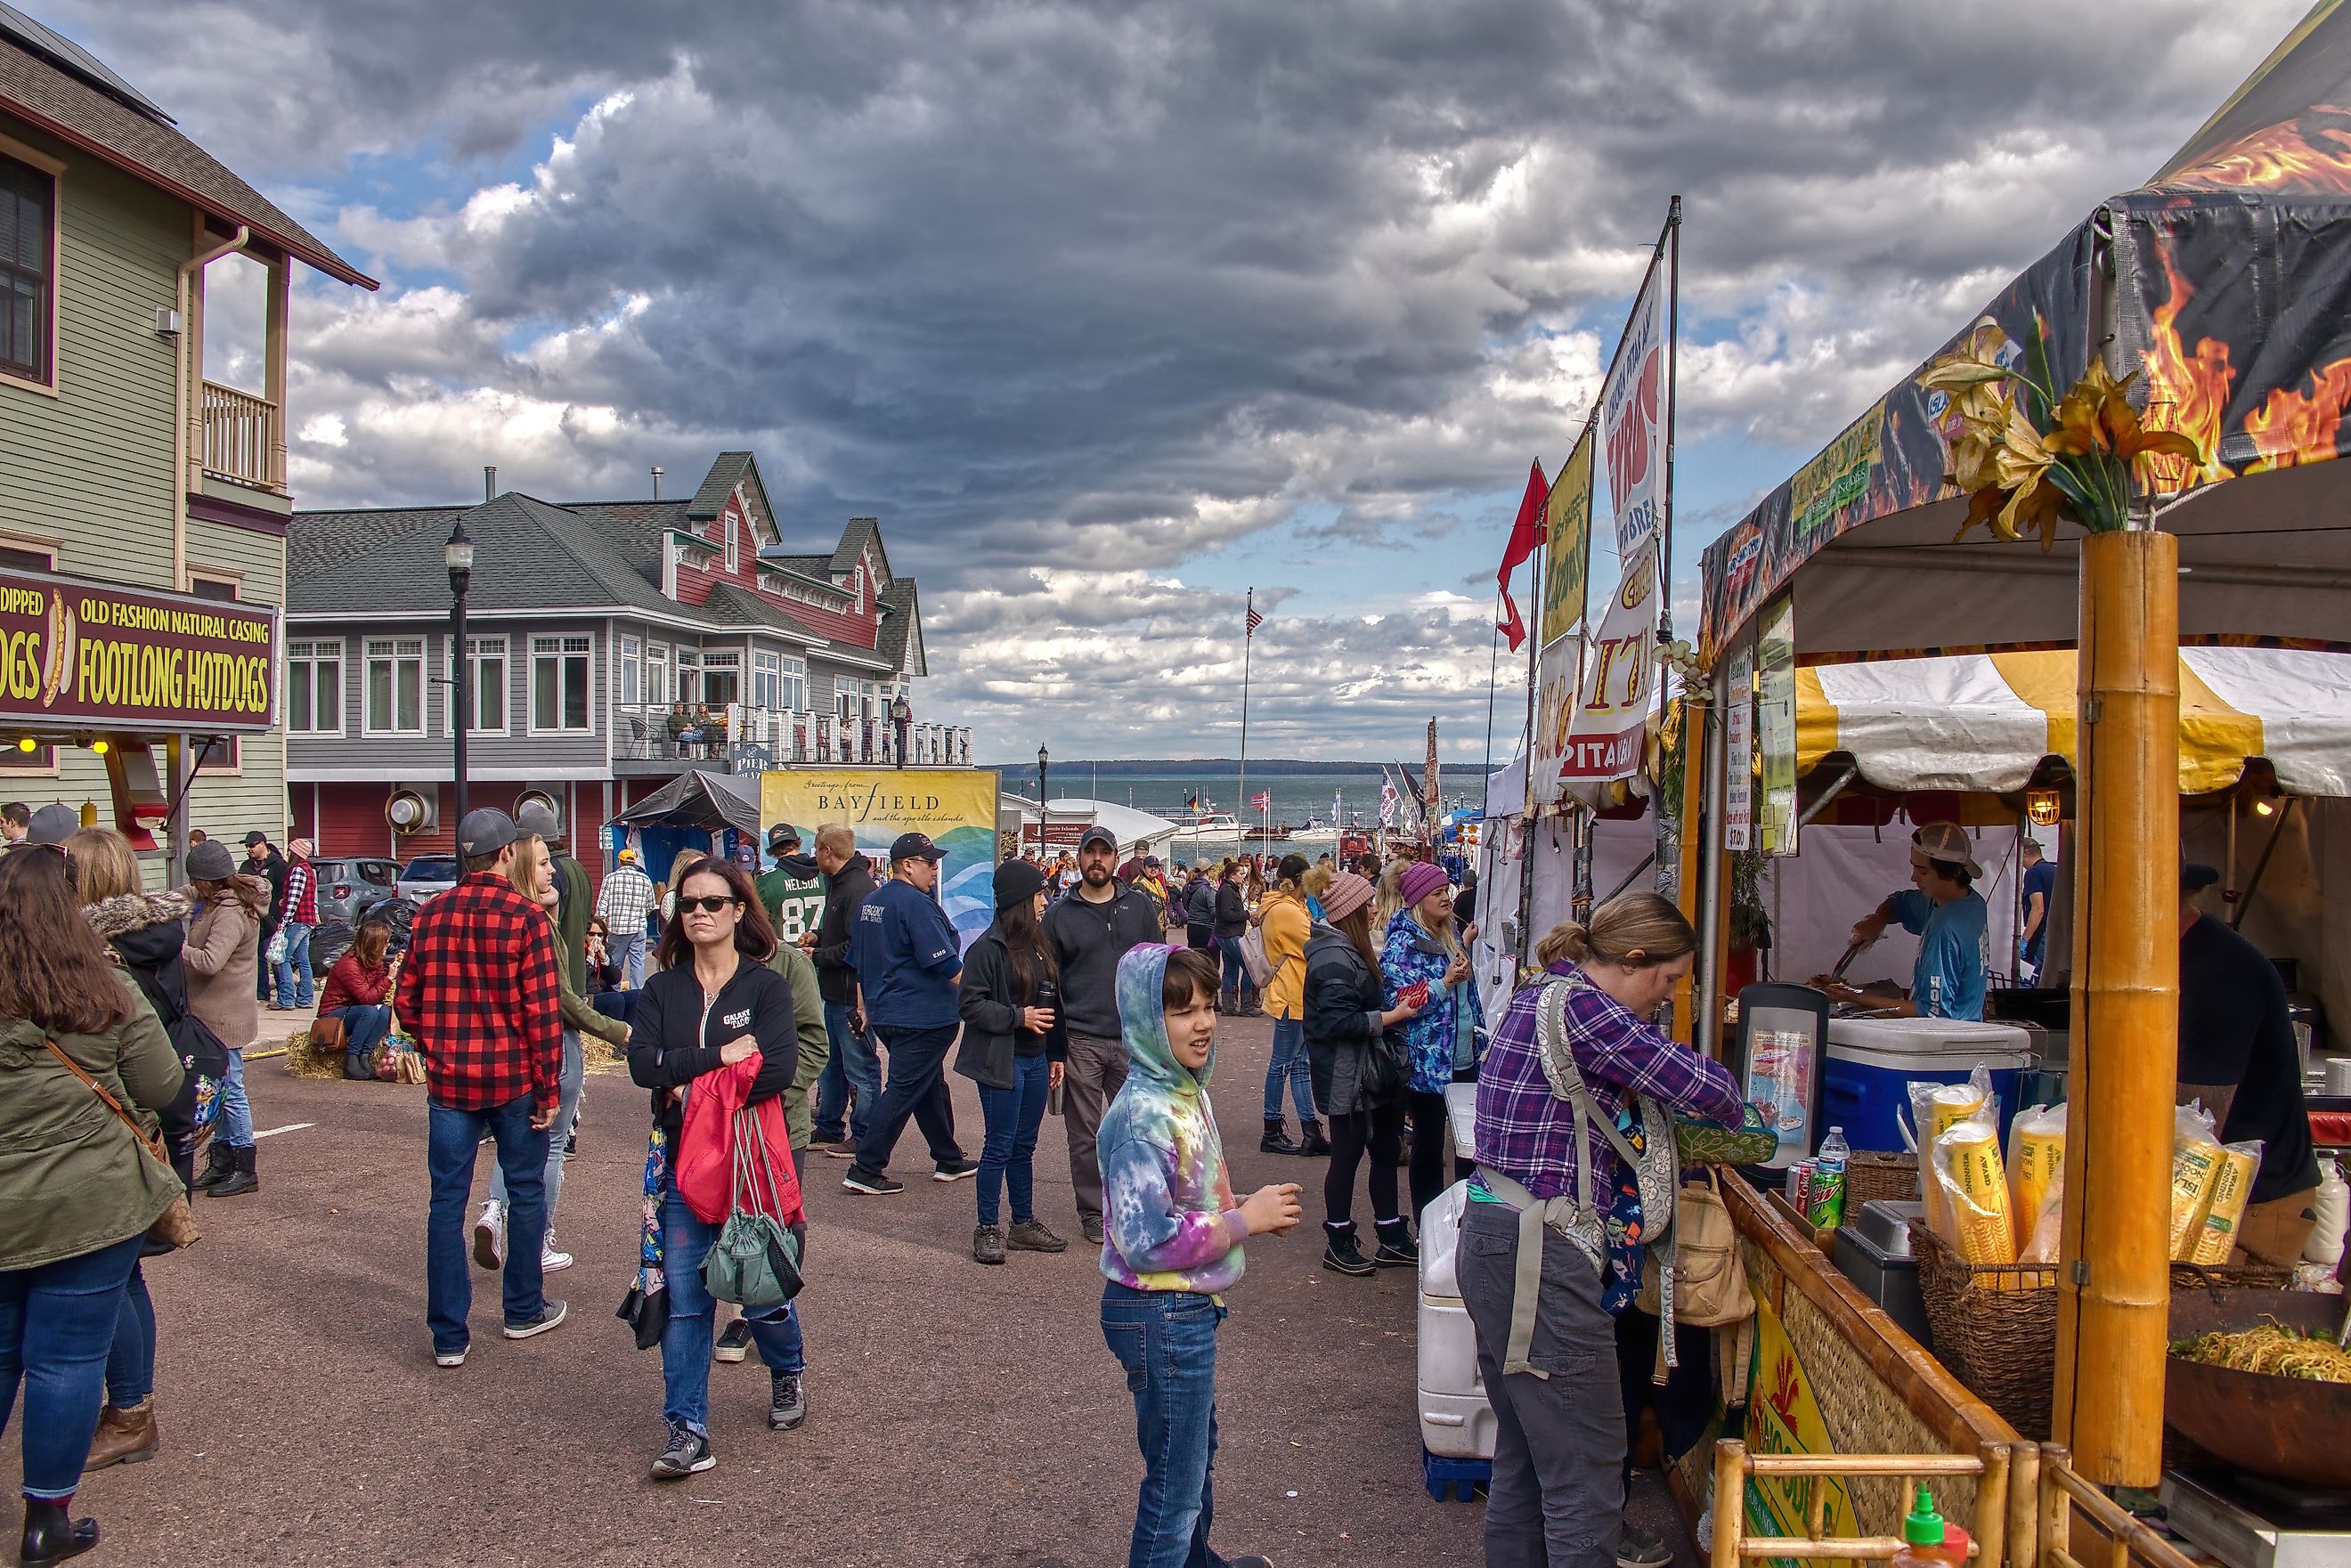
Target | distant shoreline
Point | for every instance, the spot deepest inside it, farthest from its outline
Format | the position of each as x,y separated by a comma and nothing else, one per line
1128,768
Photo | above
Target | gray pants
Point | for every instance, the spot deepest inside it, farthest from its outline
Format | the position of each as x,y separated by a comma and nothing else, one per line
567,1110
1096,1069
1559,1447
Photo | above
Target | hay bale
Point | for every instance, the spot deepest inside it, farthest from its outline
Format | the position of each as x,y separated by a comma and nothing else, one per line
303,1062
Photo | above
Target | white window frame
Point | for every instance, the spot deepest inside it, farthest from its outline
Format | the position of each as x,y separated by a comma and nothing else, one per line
481,648
734,561
796,684
395,651
766,680
630,649
658,689
560,648
726,662
311,652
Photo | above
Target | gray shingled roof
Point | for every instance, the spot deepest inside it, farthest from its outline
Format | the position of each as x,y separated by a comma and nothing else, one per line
717,485
71,110
901,611
319,540
853,543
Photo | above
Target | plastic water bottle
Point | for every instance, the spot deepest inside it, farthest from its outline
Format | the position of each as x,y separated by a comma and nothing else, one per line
1827,1197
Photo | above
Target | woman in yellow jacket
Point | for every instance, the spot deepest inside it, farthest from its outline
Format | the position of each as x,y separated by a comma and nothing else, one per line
1286,923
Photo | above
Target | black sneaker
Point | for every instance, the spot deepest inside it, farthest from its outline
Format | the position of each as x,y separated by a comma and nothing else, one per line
1636,1548
735,1343
955,1170
873,1184
550,1316
787,1402
1341,1256
686,1454
1090,1226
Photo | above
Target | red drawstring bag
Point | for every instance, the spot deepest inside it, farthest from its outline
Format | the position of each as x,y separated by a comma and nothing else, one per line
705,1162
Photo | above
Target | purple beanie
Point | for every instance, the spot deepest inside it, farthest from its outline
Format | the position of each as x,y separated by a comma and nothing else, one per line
1419,880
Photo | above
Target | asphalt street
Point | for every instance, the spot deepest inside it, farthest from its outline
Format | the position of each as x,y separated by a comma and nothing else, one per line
958,1414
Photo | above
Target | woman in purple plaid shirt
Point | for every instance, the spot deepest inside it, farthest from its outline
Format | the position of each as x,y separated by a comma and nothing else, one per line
1581,1035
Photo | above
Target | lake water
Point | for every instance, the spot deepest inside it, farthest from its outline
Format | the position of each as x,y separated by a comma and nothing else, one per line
1297,797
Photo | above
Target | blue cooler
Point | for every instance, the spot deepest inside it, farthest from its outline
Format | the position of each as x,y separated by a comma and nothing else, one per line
1872,1062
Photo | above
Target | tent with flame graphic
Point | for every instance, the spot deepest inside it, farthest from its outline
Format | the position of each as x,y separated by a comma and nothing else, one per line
2225,282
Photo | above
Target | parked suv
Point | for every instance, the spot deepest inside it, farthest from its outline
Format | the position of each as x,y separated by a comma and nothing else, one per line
426,875
348,888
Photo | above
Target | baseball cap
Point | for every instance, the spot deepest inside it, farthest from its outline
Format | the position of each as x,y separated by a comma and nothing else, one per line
628,857
2195,876
486,831
1945,841
53,824
1151,860
256,837
782,833
1098,834
538,818
915,846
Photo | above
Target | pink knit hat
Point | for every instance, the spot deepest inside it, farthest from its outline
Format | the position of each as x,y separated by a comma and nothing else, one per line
1347,893
1419,880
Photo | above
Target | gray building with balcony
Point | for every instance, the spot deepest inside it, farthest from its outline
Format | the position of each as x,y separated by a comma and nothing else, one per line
613,644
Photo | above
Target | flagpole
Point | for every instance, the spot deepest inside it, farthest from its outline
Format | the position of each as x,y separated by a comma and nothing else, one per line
1248,641
1494,672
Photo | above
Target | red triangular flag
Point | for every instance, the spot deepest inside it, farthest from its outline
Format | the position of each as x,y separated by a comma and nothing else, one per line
1526,534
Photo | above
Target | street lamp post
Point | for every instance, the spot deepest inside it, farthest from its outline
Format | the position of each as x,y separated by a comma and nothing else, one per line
1043,795
458,556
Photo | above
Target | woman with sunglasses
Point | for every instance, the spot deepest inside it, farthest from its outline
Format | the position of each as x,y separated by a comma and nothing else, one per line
714,1003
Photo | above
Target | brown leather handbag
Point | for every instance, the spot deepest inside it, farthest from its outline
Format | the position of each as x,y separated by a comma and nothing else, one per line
176,1227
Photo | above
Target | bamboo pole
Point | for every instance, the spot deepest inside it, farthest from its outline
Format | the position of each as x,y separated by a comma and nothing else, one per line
1695,712
1730,1501
2023,1503
2114,1290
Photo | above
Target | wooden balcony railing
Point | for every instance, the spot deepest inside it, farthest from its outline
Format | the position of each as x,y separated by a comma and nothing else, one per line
243,439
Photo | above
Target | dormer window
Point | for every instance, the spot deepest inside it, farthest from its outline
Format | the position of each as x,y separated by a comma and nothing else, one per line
733,560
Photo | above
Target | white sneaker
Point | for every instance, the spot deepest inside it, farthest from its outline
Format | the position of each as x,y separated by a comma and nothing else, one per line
490,1236
449,1359
550,1260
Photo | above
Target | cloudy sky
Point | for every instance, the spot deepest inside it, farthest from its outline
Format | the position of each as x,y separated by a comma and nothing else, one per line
1113,312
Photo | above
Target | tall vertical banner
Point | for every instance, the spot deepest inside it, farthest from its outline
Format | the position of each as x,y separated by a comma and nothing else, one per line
1739,749
1775,723
1567,565
1633,411
1606,739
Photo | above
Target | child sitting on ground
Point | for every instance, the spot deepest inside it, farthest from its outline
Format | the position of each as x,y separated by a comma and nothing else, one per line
1171,1241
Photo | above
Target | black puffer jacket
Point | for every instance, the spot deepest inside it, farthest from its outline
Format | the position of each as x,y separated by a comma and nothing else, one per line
991,1003
146,932
1344,1005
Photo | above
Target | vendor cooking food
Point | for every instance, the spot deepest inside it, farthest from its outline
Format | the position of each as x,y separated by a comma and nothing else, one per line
1952,924
2238,1055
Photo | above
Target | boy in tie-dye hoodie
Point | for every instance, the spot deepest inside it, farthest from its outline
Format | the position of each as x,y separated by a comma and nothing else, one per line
1171,1241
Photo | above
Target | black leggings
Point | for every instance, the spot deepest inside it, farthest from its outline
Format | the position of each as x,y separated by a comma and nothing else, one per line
1431,1139
1382,1133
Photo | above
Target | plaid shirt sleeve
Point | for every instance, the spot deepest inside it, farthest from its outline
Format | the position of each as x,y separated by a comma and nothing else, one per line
1613,1047
300,904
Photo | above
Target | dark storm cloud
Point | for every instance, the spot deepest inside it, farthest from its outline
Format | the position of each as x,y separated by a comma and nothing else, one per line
1101,288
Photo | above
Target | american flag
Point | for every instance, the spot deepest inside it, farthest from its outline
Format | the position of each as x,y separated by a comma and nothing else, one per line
1255,620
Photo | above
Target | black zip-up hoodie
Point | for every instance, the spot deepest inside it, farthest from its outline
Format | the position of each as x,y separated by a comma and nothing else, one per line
835,980
671,1043
1088,939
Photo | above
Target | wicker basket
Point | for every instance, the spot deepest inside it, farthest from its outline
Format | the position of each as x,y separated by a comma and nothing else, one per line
1995,1328
1874,1174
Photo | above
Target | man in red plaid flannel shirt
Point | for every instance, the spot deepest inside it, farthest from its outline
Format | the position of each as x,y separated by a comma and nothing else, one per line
479,992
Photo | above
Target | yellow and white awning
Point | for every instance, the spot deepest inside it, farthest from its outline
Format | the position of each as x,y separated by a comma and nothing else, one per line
1984,721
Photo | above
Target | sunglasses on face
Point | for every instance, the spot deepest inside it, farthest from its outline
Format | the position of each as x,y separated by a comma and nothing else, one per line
708,905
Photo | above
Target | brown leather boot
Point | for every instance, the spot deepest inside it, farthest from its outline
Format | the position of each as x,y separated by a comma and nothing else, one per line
124,1436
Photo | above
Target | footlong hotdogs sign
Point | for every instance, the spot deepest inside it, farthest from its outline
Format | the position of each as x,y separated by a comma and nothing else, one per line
74,652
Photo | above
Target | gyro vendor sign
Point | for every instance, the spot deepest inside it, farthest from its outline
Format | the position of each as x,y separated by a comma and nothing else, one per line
76,654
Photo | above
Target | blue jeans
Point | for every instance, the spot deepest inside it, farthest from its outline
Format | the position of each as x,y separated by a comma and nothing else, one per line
852,1066
1167,1340
1007,1156
628,950
1289,1061
917,1088
235,1128
293,971
567,1111
453,1138
364,1025
687,1239
130,1364
1235,972
57,1321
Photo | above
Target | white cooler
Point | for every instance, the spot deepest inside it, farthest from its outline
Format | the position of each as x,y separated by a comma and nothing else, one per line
1455,1422
1462,1115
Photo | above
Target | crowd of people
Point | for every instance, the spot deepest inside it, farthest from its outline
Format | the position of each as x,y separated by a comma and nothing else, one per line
840,1001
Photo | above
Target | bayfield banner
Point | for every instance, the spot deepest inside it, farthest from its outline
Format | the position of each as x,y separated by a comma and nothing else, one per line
1631,415
78,653
1612,712
956,808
